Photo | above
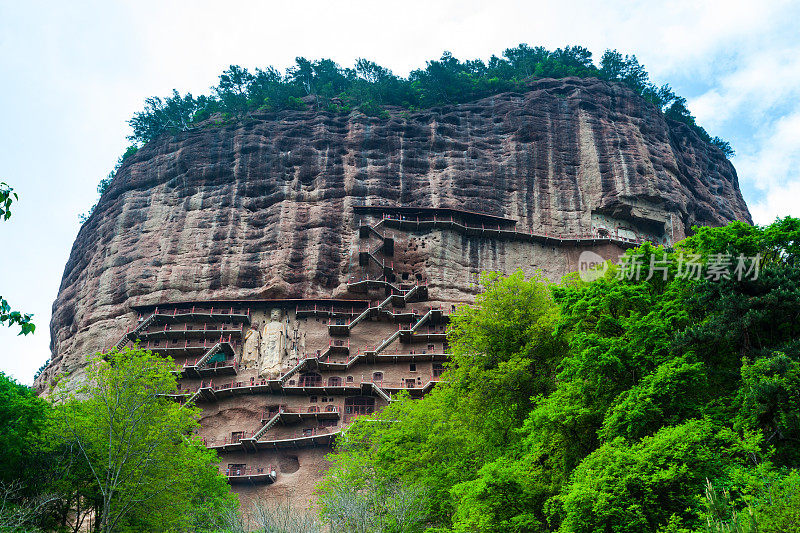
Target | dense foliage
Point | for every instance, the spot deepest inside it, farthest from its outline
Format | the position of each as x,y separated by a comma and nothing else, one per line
369,87
112,454
623,405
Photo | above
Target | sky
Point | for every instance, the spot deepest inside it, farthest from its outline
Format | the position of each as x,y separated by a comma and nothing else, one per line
73,73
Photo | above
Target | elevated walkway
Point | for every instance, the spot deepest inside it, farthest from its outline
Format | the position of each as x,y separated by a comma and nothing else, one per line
252,475
301,438
202,367
399,297
288,415
188,332
424,213
329,310
183,315
499,232
482,225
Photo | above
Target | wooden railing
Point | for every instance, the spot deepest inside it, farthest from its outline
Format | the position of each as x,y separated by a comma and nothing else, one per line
316,410
199,310
210,366
188,345
434,219
252,471
218,328
231,439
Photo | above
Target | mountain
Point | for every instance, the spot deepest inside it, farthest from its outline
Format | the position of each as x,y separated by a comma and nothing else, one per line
274,212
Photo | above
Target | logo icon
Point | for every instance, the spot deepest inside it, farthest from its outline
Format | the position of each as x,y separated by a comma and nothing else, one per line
591,266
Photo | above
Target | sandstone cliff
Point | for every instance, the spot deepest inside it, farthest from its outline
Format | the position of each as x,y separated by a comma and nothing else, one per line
263,208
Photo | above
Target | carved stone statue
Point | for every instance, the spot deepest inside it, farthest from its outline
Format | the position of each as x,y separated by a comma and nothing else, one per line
251,347
273,343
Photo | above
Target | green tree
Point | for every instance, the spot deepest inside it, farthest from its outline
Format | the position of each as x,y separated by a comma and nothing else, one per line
769,399
643,486
233,90
159,116
777,509
268,91
371,72
627,69
29,469
150,474
23,422
503,353
523,59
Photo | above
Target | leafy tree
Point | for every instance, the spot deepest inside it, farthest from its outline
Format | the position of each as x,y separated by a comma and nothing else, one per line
302,75
503,498
30,473
329,80
723,145
371,72
122,454
170,115
149,474
643,486
502,354
662,398
10,317
678,111
628,70
7,197
442,81
320,78
568,61
770,400
778,507
23,419
523,60
774,507
233,90
268,91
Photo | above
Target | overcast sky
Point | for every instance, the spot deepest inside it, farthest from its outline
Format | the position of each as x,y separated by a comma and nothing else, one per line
72,73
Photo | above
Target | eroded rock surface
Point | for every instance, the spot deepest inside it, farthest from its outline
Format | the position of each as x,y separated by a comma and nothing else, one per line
263,208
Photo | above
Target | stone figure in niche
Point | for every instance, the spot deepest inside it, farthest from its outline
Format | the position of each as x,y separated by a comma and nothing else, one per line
273,343
250,349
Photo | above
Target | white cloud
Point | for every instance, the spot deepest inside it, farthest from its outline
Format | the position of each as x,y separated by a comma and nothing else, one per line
753,100
760,82
771,164
775,155
779,202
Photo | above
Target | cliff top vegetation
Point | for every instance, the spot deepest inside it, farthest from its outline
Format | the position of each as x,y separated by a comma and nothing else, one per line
369,87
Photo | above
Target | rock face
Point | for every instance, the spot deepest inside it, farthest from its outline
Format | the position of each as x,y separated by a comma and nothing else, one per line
266,208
